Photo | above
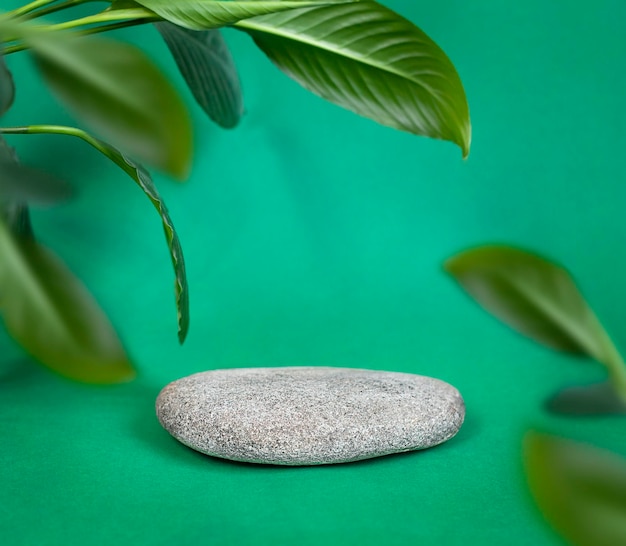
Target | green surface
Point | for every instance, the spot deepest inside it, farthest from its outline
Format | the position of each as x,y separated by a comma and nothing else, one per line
324,246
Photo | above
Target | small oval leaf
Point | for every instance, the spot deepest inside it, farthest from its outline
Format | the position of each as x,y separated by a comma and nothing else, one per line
115,89
533,296
370,60
580,490
209,14
598,399
208,68
53,317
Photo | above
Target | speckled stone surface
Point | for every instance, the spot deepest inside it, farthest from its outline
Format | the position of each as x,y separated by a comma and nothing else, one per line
308,415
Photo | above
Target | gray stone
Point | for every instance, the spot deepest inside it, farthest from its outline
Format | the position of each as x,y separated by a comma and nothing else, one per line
308,415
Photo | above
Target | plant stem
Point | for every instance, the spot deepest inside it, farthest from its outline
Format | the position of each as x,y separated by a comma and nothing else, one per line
117,18
18,12
617,370
46,129
58,7
55,130
14,49
136,14
113,26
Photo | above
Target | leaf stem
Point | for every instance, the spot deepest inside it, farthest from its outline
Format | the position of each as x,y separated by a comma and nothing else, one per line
615,365
52,129
14,49
113,26
137,14
58,7
28,8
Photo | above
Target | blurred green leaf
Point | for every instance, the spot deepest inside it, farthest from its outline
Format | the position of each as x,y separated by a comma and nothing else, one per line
209,14
53,317
115,89
533,296
370,60
208,68
25,185
7,87
581,490
598,399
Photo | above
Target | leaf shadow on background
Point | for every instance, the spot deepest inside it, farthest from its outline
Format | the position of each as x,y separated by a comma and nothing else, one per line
587,400
16,371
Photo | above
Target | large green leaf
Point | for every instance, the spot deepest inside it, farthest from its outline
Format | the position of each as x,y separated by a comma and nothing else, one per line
206,64
7,88
209,14
26,185
115,89
370,60
581,490
53,317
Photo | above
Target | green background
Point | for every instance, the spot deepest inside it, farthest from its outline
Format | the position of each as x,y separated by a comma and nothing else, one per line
315,237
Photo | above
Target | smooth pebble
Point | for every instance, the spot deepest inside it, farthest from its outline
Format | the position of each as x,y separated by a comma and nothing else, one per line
309,415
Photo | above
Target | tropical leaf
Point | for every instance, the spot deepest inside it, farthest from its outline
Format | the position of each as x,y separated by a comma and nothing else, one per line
208,68
52,316
115,89
580,490
25,185
209,14
370,60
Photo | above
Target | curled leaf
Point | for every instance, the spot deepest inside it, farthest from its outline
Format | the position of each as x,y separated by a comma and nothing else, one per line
144,181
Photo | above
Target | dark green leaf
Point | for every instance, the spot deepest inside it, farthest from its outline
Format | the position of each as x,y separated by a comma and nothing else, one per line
208,68
580,490
370,60
25,185
598,399
7,88
48,311
208,14
117,90
144,181
533,296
